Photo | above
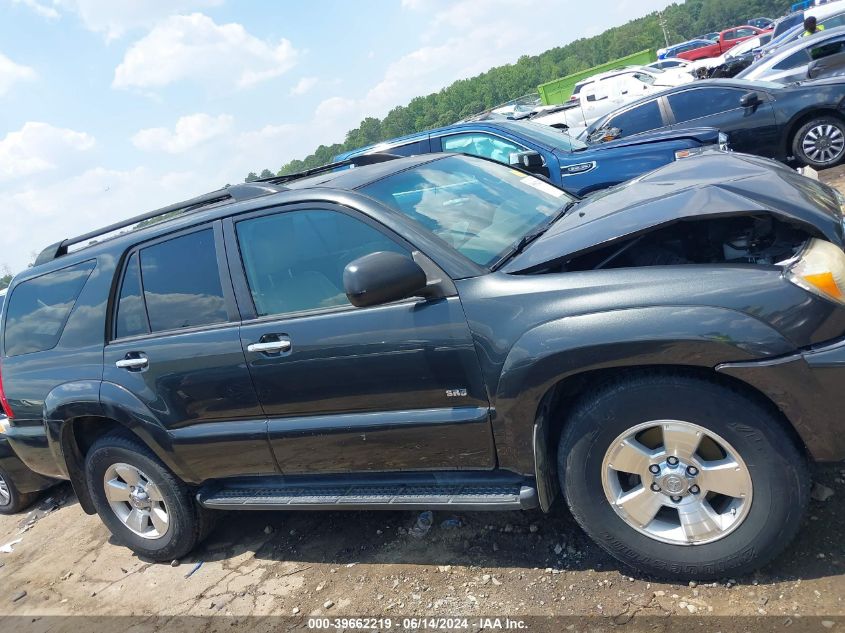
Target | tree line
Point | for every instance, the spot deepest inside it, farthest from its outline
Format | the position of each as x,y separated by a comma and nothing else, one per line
466,97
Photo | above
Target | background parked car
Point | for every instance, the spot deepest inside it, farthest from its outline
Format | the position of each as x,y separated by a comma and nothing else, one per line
731,63
566,161
668,62
799,123
761,23
727,40
676,49
19,486
819,55
796,34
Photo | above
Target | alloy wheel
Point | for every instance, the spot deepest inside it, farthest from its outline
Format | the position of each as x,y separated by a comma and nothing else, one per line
823,143
136,500
5,493
677,482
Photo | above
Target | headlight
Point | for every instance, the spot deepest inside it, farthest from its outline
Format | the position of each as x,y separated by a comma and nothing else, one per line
820,269
5,424
723,142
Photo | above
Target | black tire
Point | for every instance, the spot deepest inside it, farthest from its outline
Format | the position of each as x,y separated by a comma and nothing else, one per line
778,471
824,124
188,523
17,500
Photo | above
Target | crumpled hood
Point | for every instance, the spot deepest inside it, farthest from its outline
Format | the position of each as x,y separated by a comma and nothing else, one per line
705,135
710,185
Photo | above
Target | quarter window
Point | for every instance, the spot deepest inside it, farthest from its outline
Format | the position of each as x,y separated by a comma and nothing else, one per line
39,309
484,145
697,103
131,313
640,119
294,261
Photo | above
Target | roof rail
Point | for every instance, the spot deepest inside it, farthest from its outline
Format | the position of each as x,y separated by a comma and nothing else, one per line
354,161
233,193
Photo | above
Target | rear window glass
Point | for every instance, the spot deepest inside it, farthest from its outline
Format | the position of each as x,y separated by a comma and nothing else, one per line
39,309
182,283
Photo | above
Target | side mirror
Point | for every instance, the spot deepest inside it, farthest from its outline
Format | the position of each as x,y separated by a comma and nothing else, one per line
529,161
382,277
814,69
749,100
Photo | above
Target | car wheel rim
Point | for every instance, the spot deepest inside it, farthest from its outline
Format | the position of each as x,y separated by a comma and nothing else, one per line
677,482
5,494
136,500
823,143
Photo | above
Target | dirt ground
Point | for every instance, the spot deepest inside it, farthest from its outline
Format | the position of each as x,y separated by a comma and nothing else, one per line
332,564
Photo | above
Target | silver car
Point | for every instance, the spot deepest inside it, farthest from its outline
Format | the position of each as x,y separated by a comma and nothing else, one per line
812,57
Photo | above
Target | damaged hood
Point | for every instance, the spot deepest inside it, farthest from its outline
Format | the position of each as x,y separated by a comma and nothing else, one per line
714,184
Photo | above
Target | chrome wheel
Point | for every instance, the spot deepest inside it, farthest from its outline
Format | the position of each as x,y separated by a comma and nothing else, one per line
5,494
823,143
677,482
136,501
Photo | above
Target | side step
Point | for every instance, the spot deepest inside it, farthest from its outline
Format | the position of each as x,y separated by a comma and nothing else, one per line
428,491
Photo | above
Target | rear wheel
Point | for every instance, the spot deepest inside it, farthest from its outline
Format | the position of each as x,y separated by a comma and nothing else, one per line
820,143
13,500
141,502
682,477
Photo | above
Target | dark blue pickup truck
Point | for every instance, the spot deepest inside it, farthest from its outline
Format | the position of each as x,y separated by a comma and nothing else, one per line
567,162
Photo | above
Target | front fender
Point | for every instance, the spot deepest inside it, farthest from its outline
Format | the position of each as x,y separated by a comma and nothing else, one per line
692,336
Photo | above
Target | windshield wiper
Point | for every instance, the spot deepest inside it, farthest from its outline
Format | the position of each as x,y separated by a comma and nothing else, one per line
529,237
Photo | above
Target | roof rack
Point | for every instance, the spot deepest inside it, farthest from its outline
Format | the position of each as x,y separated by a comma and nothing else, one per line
232,193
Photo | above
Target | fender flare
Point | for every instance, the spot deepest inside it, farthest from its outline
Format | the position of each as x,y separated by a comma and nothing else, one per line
98,399
692,336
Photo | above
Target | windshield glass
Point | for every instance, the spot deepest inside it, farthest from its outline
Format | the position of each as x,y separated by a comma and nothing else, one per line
480,208
545,134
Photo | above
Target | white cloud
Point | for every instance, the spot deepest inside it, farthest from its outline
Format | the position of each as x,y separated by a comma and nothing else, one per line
44,10
114,18
304,85
190,131
39,147
333,107
96,197
11,73
195,48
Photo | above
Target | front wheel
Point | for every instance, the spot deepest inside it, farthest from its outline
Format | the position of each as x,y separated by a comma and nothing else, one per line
820,143
141,502
682,477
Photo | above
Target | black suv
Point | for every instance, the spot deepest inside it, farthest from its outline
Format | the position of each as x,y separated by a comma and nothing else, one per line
446,332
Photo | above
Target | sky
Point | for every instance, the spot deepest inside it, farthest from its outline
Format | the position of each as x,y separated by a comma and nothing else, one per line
110,108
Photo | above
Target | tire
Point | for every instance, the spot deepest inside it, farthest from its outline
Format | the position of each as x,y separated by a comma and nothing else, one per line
12,500
820,143
114,457
771,486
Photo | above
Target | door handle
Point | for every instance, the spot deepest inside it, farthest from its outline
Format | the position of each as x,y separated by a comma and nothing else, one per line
269,347
132,363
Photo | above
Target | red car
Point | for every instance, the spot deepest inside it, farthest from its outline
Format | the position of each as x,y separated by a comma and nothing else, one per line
727,40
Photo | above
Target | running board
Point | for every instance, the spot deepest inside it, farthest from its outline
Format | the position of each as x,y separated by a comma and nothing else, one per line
456,491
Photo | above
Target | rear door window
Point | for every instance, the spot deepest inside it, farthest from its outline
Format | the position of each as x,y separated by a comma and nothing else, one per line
702,102
827,49
171,285
39,309
640,119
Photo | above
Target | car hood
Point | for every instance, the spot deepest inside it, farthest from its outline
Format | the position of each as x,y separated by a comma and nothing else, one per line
712,184
705,135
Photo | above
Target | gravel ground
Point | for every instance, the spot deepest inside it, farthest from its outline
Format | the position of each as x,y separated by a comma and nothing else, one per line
367,564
